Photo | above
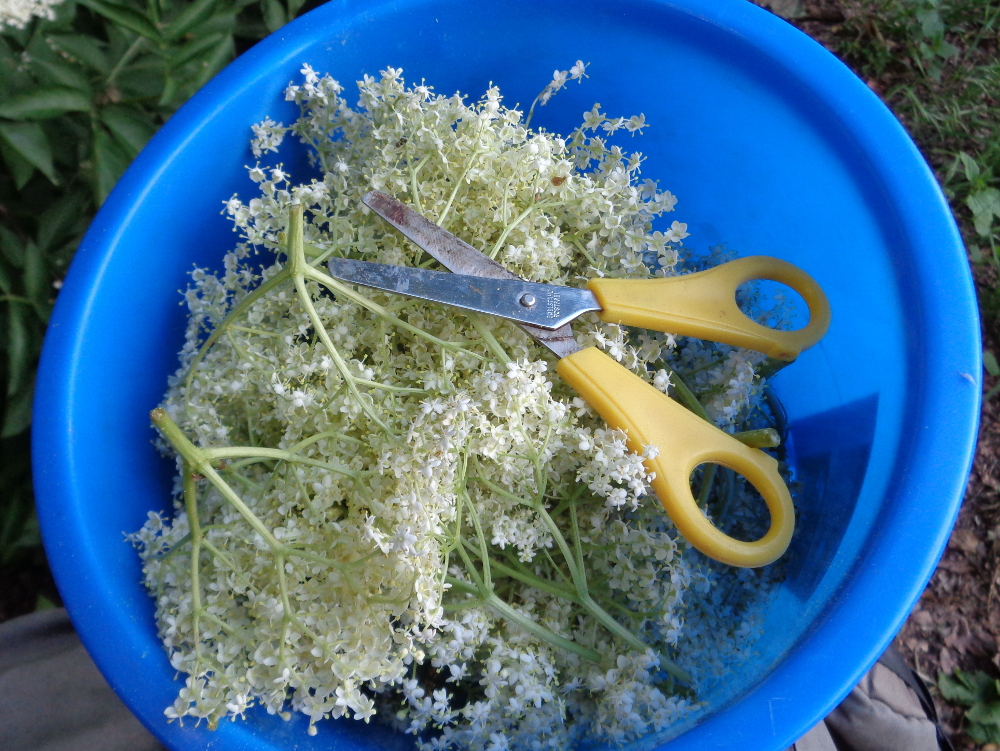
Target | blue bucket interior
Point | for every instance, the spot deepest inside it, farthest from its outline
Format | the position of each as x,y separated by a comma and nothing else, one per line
772,147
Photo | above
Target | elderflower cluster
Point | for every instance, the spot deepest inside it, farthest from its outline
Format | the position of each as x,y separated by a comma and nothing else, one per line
18,13
388,507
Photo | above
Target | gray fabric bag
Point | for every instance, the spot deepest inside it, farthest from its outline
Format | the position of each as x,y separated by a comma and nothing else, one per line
889,710
52,697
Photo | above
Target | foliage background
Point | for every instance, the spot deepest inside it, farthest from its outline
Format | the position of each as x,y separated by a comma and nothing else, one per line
82,93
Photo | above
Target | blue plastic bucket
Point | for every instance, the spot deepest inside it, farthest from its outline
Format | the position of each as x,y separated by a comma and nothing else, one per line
771,145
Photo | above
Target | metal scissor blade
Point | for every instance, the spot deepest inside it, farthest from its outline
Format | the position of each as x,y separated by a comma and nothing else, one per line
455,255
547,306
460,258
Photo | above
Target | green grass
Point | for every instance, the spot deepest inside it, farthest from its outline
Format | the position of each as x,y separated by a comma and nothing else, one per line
937,63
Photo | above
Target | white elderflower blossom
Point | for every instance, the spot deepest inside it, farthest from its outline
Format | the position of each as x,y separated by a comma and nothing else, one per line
387,508
18,13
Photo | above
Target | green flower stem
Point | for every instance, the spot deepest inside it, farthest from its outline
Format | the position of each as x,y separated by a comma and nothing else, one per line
555,566
191,507
685,396
414,191
487,336
389,387
443,218
460,586
484,555
470,569
246,482
201,464
239,309
534,581
240,452
763,438
223,625
339,288
16,298
575,532
504,610
579,577
583,251
510,228
287,613
707,479
727,494
255,332
299,269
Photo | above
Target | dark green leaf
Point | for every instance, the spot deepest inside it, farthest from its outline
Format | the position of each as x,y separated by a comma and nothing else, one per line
29,141
125,17
43,602
250,28
294,6
64,74
6,287
947,50
193,49
985,714
142,81
130,126
18,346
86,50
36,279
17,514
17,417
170,87
931,23
985,206
59,221
990,363
216,61
20,168
42,103
964,688
223,22
970,166
274,15
190,17
65,14
110,161
13,250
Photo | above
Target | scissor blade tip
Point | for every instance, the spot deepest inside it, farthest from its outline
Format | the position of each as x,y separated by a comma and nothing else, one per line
374,195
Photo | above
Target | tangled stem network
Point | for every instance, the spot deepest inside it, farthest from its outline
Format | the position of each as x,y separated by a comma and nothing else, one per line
389,507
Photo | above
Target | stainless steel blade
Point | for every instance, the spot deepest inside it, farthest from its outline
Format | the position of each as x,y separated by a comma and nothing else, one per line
547,306
461,258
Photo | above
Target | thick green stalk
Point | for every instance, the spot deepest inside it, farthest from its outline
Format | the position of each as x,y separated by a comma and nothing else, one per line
240,452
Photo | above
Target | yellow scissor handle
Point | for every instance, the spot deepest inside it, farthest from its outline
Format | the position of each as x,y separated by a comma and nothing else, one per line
703,305
651,418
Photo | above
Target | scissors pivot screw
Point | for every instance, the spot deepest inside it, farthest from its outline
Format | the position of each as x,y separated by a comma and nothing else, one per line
528,300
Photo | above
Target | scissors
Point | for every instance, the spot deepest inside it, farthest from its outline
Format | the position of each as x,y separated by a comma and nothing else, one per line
701,304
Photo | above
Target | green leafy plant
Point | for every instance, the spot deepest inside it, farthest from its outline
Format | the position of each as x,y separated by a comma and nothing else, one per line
935,63
992,368
981,694
80,95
